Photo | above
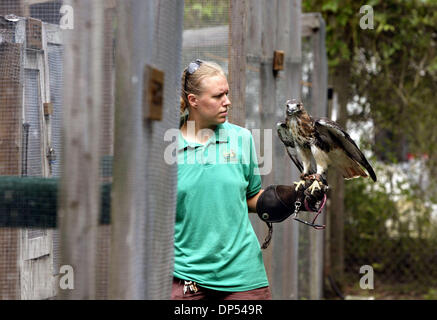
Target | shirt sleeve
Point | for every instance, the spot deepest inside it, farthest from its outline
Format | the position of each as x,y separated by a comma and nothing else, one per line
253,176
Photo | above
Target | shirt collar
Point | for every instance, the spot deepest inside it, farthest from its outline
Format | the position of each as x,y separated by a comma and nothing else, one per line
220,136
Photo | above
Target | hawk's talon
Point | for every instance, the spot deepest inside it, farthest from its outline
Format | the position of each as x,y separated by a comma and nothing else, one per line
298,184
315,186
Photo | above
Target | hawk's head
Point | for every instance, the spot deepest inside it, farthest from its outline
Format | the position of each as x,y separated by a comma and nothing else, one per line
294,107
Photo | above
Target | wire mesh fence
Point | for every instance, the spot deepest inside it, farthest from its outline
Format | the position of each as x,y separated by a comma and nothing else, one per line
83,183
57,106
396,238
94,190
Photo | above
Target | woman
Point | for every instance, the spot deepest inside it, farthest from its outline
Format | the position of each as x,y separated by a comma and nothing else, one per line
217,254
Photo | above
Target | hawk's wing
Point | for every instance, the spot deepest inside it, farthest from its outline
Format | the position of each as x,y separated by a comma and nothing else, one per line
287,139
330,132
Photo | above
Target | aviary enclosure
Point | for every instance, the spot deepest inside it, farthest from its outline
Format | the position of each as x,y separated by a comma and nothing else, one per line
84,188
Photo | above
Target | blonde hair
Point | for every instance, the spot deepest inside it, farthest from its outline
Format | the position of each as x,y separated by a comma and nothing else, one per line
193,82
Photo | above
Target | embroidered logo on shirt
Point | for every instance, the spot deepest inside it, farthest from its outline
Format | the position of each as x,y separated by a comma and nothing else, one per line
229,155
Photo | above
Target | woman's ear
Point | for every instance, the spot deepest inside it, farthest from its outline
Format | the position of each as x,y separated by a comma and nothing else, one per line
192,100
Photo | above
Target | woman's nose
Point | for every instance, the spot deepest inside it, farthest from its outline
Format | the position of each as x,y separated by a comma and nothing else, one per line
226,102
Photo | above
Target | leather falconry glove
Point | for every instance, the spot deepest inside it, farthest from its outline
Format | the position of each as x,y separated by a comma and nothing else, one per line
278,202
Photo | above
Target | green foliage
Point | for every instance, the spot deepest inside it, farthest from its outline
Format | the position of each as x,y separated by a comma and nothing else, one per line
431,295
205,13
393,207
389,226
366,218
394,66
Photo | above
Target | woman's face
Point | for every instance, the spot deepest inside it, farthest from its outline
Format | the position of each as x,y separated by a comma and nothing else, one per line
212,105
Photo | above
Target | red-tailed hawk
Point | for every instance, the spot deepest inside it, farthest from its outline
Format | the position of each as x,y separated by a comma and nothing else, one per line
324,141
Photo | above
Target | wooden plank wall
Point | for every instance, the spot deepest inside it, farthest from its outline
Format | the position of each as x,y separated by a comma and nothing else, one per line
36,264
29,261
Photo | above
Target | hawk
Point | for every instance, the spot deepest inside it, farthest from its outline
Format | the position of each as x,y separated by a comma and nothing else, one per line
322,141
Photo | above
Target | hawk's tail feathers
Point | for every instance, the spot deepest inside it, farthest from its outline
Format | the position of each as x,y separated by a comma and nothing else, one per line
371,172
353,172
368,167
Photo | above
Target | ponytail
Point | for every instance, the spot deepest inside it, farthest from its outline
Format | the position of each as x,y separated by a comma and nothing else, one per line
184,101
183,106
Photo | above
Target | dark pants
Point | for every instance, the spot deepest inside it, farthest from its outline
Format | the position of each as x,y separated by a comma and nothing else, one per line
177,293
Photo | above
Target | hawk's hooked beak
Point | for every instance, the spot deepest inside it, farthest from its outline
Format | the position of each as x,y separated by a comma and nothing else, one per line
292,107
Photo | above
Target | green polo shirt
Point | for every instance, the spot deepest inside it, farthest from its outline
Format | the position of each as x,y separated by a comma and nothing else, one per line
215,244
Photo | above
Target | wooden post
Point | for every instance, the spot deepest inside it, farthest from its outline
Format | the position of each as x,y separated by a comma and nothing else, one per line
320,73
275,25
253,49
267,100
128,210
289,40
10,160
10,108
121,212
254,25
293,78
320,94
106,149
80,184
142,211
237,61
336,183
